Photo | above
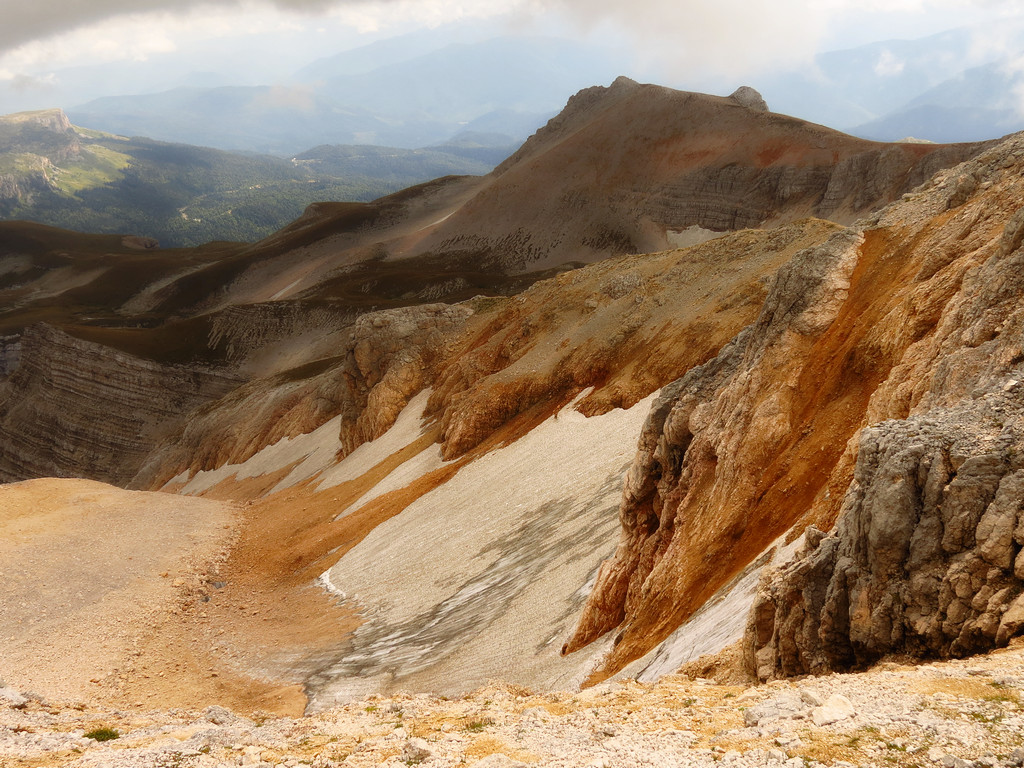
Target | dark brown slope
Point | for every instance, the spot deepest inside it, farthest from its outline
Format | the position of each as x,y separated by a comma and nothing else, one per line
619,170
622,165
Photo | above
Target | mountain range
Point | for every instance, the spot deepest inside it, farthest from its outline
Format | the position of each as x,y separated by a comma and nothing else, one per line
507,86
682,381
178,195
424,88
958,85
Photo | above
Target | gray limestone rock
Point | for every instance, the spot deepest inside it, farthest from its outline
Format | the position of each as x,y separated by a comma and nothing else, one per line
749,98
498,760
924,554
13,698
837,707
786,705
416,750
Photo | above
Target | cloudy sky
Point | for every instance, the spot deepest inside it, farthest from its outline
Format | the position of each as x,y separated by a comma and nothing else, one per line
672,38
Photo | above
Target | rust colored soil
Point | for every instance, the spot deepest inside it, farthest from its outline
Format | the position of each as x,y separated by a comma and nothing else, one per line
840,371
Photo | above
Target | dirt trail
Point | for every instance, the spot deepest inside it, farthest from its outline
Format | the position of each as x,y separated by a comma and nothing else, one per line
128,598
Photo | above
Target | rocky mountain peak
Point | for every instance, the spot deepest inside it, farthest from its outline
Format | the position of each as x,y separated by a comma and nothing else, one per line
750,98
52,119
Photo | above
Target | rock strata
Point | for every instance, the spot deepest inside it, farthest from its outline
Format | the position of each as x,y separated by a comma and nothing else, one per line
383,360
911,322
76,408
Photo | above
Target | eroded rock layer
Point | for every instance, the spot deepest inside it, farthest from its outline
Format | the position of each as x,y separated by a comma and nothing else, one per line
915,315
622,328
925,557
73,406
382,362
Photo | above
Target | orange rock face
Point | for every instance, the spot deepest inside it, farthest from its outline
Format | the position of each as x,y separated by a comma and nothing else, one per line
622,328
878,323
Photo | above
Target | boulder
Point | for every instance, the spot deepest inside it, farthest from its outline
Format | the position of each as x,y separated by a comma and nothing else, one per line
750,98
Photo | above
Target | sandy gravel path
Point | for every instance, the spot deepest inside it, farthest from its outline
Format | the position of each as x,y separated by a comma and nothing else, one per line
85,570
142,600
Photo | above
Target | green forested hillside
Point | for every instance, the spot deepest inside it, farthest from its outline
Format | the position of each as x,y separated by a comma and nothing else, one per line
54,173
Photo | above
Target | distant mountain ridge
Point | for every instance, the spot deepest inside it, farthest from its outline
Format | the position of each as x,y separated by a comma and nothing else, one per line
421,89
55,173
959,85
972,104
511,84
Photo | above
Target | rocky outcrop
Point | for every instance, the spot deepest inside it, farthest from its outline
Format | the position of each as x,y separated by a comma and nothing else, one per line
36,142
78,409
383,359
700,498
47,132
914,323
138,243
15,188
750,98
739,195
622,328
55,120
924,558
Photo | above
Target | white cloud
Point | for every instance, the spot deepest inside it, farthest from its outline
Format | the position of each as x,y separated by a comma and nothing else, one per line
747,37
702,38
140,35
26,22
730,37
888,64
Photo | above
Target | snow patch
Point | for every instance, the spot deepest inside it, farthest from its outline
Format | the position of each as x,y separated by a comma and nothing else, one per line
285,290
483,577
719,623
694,235
315,453
316,450
408,427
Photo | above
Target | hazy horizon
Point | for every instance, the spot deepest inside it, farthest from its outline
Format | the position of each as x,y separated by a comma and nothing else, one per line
690,45
61,53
